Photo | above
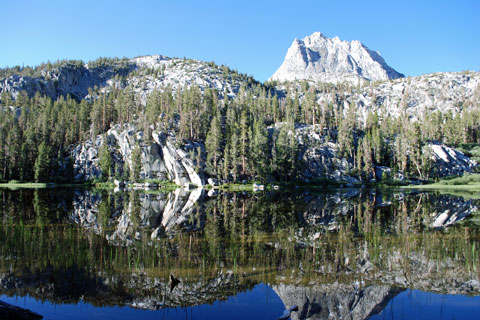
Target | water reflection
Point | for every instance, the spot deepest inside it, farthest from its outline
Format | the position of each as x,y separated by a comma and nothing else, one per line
158,215
343,254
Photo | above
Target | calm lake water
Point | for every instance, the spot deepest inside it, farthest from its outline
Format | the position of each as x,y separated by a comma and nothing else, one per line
337,254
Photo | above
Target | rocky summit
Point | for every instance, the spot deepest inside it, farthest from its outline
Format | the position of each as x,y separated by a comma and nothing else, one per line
319,58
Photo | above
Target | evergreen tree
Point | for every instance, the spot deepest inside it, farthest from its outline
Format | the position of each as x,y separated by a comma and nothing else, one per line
284,154
213,144
105,160
136,163
260,150
43,163
244,134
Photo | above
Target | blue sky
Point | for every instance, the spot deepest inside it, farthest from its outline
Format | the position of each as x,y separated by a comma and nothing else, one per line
414,37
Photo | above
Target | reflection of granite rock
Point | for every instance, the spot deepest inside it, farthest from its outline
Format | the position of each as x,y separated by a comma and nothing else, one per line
85,210
450,210
153,213
335,301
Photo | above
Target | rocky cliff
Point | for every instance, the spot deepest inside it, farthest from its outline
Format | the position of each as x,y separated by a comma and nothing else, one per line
322,159
319,58
67,78
160,159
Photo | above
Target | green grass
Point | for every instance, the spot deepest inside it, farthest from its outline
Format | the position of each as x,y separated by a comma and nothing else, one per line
28,185
236,187
466,181
104,185
14,184
467,186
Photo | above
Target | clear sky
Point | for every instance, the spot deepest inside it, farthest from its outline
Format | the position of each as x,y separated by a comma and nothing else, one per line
414,37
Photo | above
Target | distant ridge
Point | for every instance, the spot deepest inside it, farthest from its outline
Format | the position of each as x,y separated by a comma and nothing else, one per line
319,58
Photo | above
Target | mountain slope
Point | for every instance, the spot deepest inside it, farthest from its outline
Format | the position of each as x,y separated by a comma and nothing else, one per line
141,75
317,57
415,97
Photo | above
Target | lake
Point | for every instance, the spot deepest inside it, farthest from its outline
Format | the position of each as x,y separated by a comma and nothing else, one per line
335,254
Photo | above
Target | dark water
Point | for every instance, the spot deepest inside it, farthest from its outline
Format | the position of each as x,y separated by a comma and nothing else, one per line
350,254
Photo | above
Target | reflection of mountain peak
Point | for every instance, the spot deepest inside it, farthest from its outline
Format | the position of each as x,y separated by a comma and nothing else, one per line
335,301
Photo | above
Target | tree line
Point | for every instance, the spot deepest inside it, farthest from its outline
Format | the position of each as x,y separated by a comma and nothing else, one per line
247,136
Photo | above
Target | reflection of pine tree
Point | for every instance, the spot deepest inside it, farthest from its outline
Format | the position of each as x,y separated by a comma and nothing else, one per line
104,211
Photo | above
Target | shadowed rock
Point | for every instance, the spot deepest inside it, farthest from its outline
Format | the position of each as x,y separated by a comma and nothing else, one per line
11,312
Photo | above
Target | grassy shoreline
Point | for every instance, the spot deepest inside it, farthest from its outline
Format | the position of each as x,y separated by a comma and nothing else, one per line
466,186
469,182
27,185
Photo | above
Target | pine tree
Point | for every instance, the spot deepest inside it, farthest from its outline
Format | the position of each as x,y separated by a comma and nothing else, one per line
105,160
136,163
43,163
260,150
226,163
213,144
234,154
367,157
284,154
244,134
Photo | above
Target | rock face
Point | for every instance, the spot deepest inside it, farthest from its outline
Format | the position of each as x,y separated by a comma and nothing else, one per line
448,161
68,78
414,97
319,58
322,158
160,158
141,75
